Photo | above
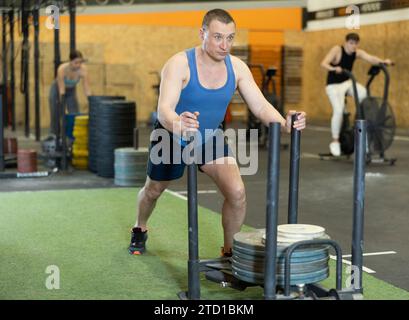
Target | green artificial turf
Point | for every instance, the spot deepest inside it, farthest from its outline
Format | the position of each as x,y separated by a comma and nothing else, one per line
85,233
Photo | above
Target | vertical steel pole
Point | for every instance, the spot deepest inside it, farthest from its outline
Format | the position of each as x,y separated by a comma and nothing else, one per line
294,173
270,264
193,263
36,18
12,70
359,205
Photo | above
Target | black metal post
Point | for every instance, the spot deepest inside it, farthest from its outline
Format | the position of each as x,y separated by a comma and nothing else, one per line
193,263
36,17
359,205
2,163
64,164
12,70
25,56
294,246
270,257
387,80
57,51
72,10
294,173
4,64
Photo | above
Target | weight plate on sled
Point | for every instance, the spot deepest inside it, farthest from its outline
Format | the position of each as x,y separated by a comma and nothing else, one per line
299,255
303,267
250,240
251,243
309,263
304,278
303,231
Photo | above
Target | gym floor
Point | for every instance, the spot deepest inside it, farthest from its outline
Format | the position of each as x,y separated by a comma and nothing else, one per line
325,198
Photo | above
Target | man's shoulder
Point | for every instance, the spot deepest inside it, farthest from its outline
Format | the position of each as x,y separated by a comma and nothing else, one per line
336,48
177,64
360,52
240,68
235,59
237,62
179,59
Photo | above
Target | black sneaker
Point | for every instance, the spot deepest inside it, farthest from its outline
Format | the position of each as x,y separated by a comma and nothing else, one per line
225,254
138,239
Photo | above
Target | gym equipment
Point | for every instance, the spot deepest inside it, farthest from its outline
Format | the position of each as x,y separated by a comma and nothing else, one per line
267,81
26,161
307,258
80,144
115,124
55,150
10,146
94,101
49,151
38,174
130,166
380,121
12,69
4,63
308,265
380,118
36,23
2,160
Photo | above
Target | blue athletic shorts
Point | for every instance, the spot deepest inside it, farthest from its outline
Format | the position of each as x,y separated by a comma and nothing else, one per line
172,170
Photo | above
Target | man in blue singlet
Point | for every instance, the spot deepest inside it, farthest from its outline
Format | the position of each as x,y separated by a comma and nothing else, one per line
69,75
339,84
195,91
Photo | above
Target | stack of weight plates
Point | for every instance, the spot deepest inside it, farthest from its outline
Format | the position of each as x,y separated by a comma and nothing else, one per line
80,145
130,166
309,264
94,101
115,124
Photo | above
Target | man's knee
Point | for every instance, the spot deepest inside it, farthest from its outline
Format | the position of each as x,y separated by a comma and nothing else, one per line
237,196
152,191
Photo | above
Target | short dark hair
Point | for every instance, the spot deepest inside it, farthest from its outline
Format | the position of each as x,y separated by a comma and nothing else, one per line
352,36
75,54
216,14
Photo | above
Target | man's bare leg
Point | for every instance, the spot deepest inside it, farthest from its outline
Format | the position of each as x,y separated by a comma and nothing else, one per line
227,177
147,198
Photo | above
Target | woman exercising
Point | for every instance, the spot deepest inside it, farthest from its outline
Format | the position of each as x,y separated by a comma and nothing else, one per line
68,76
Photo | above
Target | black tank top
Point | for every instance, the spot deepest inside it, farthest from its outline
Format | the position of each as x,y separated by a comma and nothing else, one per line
347,62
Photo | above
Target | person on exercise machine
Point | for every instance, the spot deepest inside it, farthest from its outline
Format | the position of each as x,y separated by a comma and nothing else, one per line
195,90
338,84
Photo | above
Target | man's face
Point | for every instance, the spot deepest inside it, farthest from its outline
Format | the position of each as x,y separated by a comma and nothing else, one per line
218,39
351,46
